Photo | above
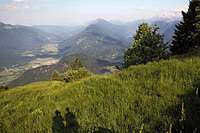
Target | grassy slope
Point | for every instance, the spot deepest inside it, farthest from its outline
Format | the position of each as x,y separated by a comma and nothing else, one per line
149,94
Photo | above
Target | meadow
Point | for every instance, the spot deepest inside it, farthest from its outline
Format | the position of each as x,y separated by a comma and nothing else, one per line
143,98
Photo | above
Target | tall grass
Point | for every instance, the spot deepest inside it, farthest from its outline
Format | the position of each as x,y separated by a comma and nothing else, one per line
143,98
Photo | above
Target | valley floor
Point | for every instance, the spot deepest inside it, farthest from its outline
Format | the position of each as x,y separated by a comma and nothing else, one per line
49,51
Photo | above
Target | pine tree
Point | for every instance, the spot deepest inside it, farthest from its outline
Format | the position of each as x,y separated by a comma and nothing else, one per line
187,33
148,46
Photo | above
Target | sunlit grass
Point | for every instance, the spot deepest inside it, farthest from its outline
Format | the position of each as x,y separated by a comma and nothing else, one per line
143,94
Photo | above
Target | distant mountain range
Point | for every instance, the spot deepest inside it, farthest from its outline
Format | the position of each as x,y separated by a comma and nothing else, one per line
16,39
108,41
100,44
166,27
60,32
101,39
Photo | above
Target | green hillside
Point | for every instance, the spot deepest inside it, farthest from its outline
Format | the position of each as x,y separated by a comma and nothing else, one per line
149,95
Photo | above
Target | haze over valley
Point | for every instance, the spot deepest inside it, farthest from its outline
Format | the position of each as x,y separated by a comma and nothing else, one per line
99,66
44,45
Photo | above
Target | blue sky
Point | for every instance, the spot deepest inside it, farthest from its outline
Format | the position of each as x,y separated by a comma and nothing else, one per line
67,12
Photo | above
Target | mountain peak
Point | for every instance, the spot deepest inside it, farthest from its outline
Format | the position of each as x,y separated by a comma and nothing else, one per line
100,21
99,24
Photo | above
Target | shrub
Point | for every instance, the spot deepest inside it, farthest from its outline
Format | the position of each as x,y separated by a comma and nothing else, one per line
75,64
4,88
77,74
57,76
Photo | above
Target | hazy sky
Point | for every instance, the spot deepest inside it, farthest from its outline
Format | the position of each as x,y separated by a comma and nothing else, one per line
65,12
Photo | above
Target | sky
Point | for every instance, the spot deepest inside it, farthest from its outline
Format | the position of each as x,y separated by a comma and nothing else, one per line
76,12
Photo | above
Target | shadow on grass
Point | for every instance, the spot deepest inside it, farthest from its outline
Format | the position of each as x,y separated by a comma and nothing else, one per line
58,124
72,125
69,124
187,114
103,130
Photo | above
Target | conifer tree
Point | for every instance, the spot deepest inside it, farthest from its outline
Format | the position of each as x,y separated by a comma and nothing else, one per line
148,46
187,33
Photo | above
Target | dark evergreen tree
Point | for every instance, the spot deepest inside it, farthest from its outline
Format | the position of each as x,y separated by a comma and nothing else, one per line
148,46
187,33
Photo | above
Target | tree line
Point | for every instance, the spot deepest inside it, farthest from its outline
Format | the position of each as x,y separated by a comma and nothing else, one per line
149,44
